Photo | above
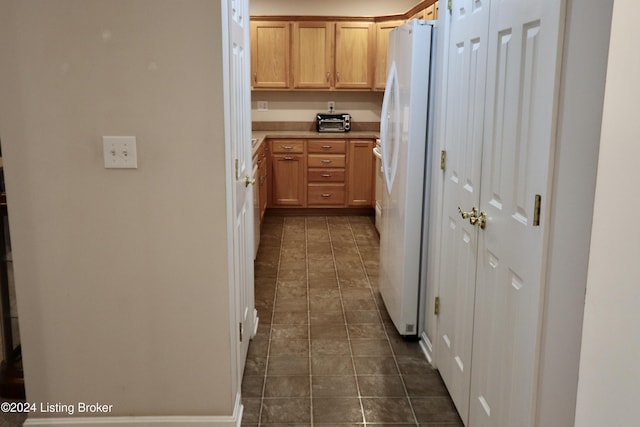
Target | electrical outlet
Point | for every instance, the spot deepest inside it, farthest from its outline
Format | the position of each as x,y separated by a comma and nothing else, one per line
120,152
331,106
263,106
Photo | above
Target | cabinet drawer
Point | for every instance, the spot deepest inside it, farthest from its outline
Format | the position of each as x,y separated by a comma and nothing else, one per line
326,146
326,160
287,146
325,175
325,194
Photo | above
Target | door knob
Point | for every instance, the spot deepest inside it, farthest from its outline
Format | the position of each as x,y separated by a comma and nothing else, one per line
481,220
467,215
474,217
248,181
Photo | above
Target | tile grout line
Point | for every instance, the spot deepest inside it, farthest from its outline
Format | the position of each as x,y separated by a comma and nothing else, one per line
273,314
346,326
393,352
306,261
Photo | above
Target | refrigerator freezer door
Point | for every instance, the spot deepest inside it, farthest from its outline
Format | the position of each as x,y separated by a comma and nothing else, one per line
404,158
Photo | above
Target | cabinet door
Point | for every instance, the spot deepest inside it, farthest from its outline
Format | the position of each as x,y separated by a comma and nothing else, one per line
313,55
361,173
289,179
382,45
418,15
269,54
355,50
430,13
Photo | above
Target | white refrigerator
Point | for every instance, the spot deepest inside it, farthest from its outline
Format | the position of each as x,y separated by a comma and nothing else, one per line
405,134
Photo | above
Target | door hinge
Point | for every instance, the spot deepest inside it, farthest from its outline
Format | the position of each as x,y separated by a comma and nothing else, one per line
436,308
240,330
536,210
236,168
443,159
450,5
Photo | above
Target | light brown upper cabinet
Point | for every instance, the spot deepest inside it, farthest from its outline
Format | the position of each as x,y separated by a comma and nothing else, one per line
430,13
382,44
270,55
312,52
354,55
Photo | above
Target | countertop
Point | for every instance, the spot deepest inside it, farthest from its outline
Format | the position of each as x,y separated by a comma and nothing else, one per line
260,136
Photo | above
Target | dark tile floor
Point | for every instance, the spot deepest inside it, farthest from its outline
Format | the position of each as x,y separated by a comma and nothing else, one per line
326,351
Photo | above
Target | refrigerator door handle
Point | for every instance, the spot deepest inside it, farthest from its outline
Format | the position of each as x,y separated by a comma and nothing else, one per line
389,129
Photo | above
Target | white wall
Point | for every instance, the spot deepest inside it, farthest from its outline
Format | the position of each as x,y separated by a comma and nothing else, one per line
331,7
121,275
609,379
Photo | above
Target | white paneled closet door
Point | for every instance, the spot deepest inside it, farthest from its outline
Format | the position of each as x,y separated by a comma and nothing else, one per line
238,112
492,278
463,133
519,136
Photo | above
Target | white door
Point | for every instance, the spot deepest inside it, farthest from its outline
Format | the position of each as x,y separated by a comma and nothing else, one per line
525,39
467,56
498,161
240,132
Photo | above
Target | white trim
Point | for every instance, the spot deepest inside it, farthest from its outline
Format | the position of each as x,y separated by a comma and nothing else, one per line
229,201
234,420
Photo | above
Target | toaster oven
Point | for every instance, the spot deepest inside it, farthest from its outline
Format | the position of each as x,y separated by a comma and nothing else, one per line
332,122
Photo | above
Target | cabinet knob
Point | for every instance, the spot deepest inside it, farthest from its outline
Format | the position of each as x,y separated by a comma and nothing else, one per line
328,76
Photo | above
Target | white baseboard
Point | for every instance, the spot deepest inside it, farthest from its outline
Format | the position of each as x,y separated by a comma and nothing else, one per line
234,420
427,347
256,321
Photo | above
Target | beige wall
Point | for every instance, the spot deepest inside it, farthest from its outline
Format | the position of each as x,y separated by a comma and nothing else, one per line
608,387
303,106
331,7
121,274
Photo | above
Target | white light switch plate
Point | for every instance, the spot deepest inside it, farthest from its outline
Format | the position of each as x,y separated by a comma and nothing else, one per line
120,152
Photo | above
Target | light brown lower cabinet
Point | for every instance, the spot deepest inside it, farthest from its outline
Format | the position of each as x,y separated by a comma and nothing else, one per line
322,173
288,180
361,174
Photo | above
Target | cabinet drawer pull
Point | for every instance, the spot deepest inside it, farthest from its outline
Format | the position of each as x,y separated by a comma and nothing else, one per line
287,147
326,175
326,147
326,194
255,77
325,161
328,75
288,158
